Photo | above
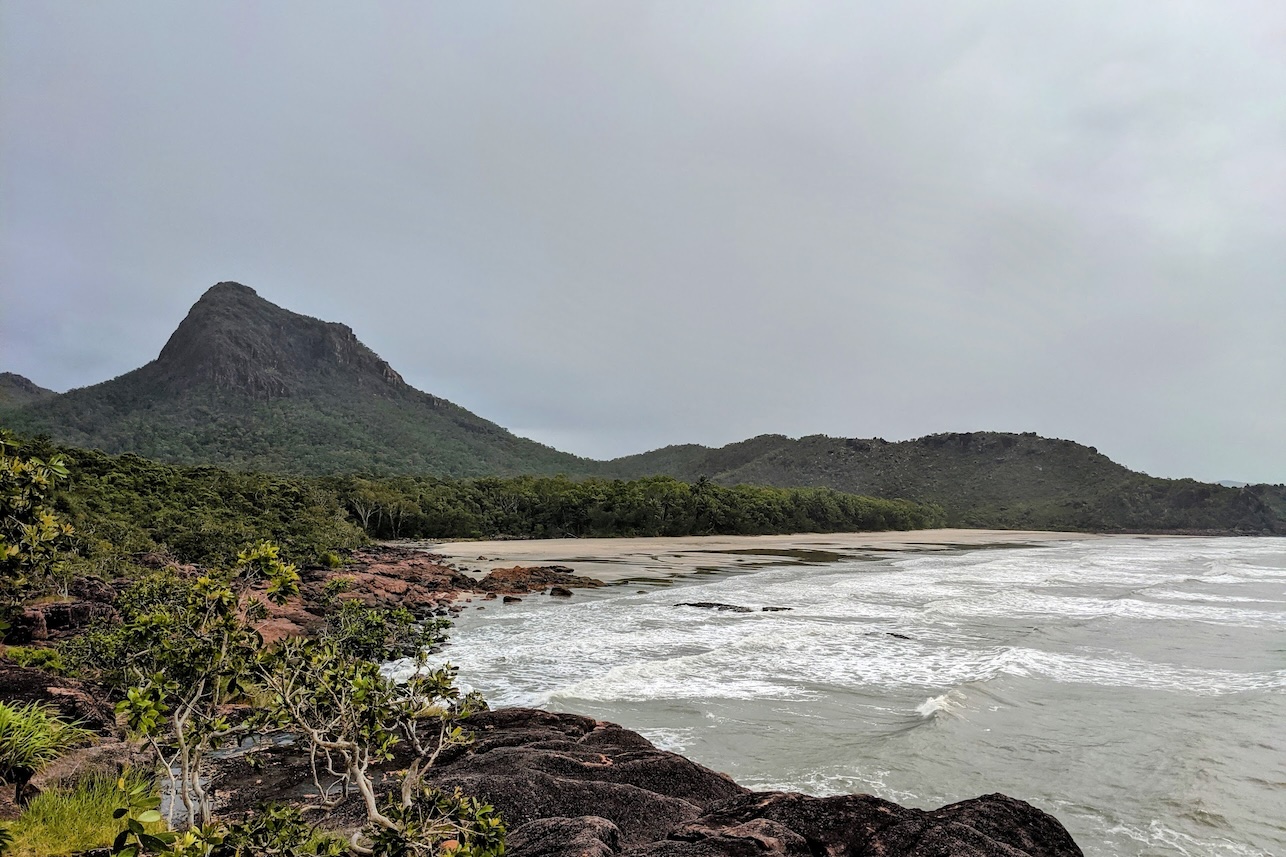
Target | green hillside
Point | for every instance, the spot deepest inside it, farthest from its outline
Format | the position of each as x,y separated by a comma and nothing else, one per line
245,384
981,479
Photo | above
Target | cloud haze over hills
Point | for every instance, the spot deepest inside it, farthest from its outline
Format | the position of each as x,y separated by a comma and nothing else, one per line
613,227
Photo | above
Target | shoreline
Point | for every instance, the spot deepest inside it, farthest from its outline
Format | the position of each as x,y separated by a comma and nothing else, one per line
663,558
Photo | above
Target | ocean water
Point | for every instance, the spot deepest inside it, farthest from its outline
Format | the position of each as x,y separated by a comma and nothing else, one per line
1134,688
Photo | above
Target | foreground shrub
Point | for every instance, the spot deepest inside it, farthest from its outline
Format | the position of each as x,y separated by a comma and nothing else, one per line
49,660
436,822
272,831
182,653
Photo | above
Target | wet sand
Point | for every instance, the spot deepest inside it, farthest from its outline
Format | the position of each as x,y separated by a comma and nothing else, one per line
655,559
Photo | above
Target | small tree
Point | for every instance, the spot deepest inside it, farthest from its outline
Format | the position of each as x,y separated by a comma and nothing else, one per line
32,736
31,535
351,716
184,650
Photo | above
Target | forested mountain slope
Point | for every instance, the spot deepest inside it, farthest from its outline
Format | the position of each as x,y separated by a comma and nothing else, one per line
979,478
246,384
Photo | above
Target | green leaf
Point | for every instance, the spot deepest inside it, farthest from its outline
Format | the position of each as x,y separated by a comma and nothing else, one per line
149,817
157,843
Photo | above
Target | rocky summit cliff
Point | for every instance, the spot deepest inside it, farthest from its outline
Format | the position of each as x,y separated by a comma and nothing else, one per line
235,340
247,384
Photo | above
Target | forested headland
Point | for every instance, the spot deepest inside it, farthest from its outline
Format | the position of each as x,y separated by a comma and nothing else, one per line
124,505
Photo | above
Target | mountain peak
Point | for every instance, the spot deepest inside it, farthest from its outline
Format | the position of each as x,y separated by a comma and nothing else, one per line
227,289
16,389
235,340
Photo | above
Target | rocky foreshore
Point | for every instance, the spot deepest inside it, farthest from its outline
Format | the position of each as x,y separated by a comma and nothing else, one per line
385,576
565,784
571,786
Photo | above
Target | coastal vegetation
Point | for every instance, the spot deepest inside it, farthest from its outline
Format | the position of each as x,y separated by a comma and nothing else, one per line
121,507
191,674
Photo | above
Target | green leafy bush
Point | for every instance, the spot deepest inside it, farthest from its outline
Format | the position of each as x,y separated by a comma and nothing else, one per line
49,660
438,822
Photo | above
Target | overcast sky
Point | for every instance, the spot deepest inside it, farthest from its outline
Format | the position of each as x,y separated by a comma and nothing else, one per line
614,226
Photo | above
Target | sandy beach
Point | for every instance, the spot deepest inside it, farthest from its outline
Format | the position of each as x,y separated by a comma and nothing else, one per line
619,560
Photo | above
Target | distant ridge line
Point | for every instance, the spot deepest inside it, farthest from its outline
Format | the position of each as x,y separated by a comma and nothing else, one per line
246,384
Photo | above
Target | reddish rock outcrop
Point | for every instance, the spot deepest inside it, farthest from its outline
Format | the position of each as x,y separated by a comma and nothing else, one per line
384,577
534,578
58,620
74,700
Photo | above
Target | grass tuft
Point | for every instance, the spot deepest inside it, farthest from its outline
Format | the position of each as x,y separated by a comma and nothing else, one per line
59,823
31,736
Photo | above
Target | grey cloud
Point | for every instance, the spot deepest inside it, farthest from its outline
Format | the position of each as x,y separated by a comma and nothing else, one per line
613,226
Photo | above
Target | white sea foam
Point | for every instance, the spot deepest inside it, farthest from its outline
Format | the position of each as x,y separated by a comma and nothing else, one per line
1159,838
950,703
1148,663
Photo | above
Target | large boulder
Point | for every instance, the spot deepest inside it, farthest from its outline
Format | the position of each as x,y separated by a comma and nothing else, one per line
535,765
570,785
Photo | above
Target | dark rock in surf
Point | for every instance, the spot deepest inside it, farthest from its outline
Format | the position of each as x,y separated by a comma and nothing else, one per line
775,609
714,605
560,592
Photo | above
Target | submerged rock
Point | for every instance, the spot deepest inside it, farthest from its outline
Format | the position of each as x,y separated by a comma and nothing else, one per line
715,605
